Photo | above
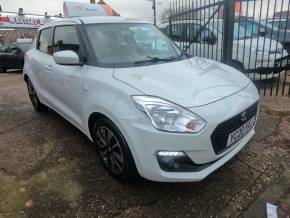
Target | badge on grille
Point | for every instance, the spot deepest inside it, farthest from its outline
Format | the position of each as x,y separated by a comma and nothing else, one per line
244,116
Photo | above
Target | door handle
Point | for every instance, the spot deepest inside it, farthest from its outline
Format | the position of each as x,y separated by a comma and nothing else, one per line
48,67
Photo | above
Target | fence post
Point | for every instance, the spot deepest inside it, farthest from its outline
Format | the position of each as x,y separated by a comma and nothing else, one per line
170,26
170,19
229,23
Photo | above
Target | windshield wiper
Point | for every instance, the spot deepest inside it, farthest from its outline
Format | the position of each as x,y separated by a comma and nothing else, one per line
157,59
154,60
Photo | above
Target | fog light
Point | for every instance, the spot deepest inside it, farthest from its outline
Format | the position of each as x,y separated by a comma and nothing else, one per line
173,161
178,161
170,153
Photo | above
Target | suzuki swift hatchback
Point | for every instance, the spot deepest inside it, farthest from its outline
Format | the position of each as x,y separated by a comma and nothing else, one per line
149,108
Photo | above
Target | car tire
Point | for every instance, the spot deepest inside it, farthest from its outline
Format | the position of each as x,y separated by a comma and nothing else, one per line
113,150
38,106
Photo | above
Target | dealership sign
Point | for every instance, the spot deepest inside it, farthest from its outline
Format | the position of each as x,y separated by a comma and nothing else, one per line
77,9
11,20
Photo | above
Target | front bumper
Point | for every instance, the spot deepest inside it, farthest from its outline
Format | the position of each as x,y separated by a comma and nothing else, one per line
200,175
269,68
145,141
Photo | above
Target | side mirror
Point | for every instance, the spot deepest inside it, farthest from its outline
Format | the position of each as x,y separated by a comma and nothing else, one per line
211,39
67,57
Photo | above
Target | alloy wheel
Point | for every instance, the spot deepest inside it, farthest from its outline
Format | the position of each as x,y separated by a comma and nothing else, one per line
110,150
32,93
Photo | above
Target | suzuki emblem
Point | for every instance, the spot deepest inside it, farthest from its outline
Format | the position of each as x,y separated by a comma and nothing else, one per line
244,116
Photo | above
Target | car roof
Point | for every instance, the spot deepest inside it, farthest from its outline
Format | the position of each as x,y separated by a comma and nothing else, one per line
93,20
110,19
182,21
203,21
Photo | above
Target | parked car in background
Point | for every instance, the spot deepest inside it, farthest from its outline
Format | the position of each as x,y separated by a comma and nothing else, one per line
12,55
149,108
250,50
278,29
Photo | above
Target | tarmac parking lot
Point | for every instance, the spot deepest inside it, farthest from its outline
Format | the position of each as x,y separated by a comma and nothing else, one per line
48,168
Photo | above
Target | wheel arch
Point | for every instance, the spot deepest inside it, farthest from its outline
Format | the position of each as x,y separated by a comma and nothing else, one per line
93,118
102,113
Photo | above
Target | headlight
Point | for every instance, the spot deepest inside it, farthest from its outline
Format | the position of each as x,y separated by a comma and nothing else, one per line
167,116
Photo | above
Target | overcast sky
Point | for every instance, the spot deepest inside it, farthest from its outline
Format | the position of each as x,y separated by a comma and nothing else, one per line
130,8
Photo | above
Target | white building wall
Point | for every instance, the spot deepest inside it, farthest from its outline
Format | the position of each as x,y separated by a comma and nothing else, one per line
266,8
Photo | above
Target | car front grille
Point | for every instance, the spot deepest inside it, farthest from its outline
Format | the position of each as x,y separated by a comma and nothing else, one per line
219,137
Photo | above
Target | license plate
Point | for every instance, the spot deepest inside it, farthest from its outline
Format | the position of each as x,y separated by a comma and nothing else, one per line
241,132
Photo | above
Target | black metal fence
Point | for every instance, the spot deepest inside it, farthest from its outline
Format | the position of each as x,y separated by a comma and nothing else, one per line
250,35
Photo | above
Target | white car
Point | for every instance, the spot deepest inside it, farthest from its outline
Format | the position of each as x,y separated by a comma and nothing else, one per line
150,109
250,51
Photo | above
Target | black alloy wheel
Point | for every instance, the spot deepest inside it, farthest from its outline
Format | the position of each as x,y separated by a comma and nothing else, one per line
113,150
38,106
110,150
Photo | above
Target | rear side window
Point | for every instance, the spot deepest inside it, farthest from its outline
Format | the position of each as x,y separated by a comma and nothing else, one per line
43,40
65,38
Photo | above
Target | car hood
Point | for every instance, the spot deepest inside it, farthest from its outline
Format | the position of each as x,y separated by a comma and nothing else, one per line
262,43
189,83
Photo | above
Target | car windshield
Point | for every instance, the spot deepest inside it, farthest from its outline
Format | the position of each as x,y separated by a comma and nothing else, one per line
24,46
242,29
246,30
283,24
125,45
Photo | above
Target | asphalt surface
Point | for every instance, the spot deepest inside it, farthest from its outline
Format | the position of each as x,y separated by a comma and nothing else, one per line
48,168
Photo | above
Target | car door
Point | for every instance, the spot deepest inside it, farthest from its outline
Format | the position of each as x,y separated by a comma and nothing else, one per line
41,60
4,63
67,81
16,58
9,56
